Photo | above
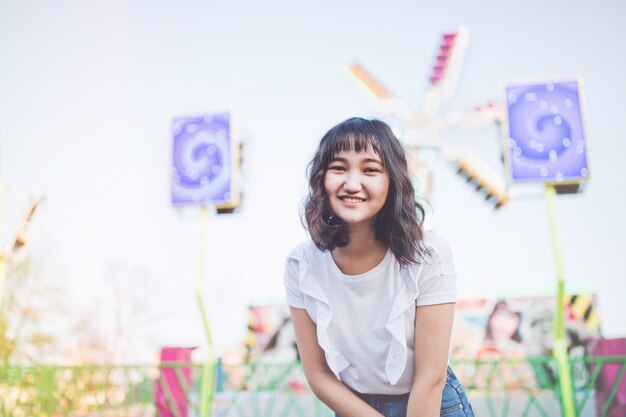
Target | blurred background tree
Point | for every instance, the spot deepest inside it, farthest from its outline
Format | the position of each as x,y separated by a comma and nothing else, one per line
127,319
28,315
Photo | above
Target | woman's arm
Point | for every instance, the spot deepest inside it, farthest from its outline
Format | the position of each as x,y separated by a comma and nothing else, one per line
433,327
321,379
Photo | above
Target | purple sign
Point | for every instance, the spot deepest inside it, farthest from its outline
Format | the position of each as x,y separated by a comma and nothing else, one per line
546,141
202,160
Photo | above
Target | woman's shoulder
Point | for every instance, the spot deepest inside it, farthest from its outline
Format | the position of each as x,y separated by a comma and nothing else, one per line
439,253
303,251
438,247
435,241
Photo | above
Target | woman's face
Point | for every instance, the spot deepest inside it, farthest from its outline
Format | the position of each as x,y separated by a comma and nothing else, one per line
504,324
356,185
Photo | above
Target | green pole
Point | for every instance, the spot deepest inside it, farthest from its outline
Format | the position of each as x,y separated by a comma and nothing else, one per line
559,348
207,389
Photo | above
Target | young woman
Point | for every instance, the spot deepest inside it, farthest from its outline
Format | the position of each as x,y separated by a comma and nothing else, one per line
371,295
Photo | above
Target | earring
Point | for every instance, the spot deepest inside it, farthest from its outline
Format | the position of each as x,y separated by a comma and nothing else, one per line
331,219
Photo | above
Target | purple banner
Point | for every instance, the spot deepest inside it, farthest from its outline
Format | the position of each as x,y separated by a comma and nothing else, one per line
546,137
202,160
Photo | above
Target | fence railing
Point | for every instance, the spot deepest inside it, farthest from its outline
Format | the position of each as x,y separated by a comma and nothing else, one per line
500,388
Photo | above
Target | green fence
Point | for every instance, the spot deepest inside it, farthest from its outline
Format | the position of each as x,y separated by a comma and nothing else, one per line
499,388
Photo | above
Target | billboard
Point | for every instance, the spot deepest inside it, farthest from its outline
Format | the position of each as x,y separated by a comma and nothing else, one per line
514,329
487,332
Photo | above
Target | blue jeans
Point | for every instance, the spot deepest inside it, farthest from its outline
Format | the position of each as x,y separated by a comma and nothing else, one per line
454,402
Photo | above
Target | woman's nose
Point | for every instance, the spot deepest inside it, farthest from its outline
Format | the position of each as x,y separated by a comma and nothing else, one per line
353,183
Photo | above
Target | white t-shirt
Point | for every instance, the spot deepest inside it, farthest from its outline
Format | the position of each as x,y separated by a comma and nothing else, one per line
365,322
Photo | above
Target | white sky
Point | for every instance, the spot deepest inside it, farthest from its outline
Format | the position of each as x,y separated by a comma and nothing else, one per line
88,91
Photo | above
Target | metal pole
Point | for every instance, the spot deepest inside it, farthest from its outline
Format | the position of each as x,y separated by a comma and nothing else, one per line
559,348
207,384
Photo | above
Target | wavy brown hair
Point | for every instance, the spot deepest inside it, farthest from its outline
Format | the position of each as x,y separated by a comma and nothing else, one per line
398,224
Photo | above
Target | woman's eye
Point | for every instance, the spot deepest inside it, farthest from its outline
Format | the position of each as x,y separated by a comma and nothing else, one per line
336,168
371,170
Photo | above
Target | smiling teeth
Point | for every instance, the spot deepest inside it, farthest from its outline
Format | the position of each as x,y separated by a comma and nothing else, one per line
352,200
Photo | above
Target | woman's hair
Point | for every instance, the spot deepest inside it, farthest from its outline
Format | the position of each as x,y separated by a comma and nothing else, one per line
397,224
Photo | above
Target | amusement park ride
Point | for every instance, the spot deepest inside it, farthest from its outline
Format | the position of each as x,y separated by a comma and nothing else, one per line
423,128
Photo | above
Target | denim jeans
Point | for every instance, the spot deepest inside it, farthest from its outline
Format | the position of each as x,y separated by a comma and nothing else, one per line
454,402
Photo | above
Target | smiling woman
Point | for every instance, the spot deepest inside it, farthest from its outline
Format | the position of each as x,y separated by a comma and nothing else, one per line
397,223
357,185
371,296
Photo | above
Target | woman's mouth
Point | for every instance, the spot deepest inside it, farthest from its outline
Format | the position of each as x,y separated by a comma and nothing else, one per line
351,200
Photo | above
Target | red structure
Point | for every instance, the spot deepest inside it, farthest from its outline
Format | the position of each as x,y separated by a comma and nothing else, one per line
608,377
174,383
